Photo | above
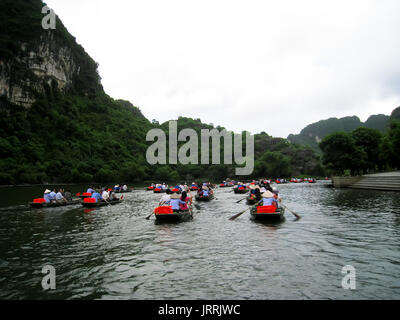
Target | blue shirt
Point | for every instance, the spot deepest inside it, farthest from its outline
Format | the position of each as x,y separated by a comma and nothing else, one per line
96,196
175,203
46,197
205,193
269,201
52,195
90,190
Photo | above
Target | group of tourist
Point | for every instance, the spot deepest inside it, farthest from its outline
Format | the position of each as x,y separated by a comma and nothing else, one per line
104,194
57,196
177,202
264,194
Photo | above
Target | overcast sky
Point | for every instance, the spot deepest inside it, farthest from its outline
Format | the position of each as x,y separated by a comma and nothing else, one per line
273,66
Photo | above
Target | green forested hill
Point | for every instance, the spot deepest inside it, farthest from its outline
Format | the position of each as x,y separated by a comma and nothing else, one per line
313,134
58,125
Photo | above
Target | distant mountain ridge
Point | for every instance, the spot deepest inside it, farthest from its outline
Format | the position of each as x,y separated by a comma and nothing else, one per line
314,133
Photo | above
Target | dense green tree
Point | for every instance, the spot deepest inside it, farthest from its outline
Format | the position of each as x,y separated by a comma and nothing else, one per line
370,141
341,153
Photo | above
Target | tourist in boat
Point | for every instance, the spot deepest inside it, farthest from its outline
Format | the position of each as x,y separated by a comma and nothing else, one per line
165,198
46,196
105,195
59,196
125,187
206,192
175,202
112,196
53,195
186,200
268,199
96,195
68,195
90,190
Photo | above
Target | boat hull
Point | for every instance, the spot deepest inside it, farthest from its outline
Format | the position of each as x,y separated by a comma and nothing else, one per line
174,217
240,191
99,204
198,198
271,216
54,204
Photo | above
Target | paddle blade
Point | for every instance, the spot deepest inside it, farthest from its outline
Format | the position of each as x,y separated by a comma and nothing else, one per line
237,215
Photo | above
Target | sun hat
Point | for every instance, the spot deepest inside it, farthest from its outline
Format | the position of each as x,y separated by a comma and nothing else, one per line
267,194
263,189
47,191
175,196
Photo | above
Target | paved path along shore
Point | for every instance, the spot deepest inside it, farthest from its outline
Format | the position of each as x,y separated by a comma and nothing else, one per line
389,181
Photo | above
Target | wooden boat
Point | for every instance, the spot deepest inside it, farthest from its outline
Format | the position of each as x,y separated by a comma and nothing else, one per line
100,203
166,214
225,185
124,191
202,198
83,195
237,190
267,213
54,204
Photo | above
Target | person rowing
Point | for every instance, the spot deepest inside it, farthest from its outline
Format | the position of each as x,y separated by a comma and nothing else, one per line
60,197
175,202
187,200
268,199
165,198
96,195
46,196
90,190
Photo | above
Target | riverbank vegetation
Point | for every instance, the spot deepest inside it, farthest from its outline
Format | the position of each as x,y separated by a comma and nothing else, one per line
363,150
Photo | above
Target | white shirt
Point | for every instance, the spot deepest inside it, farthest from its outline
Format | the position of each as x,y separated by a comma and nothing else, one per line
165,198
125,187
105,195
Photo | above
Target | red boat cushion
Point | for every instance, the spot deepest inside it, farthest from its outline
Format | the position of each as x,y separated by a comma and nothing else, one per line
175,190
240,188
39,200
87,194
157,189
78,194
150,188
266,209
221,185
164,209
89,200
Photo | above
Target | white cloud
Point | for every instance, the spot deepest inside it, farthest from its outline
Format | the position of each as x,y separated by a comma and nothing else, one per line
271,66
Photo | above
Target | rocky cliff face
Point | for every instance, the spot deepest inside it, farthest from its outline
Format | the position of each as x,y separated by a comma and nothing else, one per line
35,61
36,65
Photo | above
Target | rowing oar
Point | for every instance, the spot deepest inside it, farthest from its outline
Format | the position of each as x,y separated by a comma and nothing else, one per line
239,214
240,200
296,215
148,217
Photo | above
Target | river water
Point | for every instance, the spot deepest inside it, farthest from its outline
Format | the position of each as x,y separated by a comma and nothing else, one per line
115,253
